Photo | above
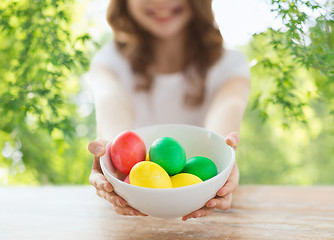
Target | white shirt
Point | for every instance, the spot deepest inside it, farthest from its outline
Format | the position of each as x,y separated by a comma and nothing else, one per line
165,101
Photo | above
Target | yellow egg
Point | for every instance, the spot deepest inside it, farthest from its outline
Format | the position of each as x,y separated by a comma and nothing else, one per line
149,174
147,157
184,179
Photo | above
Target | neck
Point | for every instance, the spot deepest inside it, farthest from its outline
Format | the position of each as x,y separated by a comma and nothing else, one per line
169,54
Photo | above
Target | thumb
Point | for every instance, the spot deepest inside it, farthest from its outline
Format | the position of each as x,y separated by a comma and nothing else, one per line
97,147
233,139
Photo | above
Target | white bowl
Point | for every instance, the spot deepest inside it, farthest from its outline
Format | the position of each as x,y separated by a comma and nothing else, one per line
176,202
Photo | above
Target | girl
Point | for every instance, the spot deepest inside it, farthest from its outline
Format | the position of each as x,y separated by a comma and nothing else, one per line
166,64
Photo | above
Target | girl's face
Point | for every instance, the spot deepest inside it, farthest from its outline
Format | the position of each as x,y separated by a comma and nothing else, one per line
162,18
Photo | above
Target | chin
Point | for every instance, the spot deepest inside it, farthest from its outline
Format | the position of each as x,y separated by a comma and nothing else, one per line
165,33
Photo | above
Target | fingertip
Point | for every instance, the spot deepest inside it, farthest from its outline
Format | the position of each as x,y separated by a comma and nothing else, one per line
96,148
211,204
122,202
108,187
185,218
230,141
142,214
91,147
221,193
99,151
100,184
137,213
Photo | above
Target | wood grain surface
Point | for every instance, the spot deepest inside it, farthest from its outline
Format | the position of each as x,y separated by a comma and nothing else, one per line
258,212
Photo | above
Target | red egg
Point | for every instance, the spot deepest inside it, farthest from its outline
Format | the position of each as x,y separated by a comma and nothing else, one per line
126,150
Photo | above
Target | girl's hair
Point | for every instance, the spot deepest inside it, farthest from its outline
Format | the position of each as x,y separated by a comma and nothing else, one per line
204,46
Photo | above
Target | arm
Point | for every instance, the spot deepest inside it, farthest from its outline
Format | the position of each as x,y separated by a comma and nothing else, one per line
226,111
224,117
114,114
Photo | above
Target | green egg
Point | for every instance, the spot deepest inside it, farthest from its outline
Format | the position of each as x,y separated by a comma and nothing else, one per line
202,167
169,154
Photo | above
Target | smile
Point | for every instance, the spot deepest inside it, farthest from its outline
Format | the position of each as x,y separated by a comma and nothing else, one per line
163,15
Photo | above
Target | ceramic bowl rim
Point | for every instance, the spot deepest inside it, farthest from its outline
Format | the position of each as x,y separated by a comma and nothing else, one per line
207,182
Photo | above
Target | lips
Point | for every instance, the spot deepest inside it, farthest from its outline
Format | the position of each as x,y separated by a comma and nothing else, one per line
164,14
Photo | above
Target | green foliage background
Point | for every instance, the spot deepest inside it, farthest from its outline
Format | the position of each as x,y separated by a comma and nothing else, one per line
287,132
41,61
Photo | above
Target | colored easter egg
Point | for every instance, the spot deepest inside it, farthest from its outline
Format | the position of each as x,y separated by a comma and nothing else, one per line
126,150
169,154
126,180
184,179
202,167
147,157
149,174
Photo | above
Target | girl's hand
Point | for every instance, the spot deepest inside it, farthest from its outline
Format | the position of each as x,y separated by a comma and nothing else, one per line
223,200
103,188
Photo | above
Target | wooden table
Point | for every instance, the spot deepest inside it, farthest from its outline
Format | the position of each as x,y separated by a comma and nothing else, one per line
258,212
